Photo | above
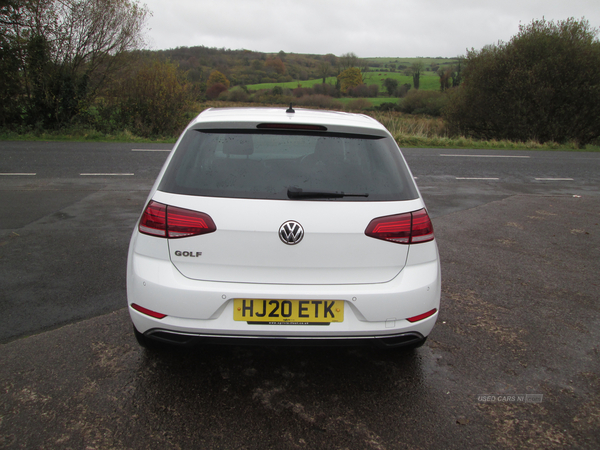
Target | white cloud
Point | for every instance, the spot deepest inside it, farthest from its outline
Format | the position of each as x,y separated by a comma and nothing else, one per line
367,28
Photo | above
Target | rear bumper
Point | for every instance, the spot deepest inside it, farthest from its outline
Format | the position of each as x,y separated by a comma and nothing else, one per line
203,311
410,339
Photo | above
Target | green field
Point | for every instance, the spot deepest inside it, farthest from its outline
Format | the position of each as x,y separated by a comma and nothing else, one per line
408,61
428,82
377,73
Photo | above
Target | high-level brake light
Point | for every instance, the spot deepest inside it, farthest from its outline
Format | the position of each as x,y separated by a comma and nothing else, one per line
172,222
290,126
408,228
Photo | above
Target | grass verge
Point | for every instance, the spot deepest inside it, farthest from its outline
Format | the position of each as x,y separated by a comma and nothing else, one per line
408,130
81,135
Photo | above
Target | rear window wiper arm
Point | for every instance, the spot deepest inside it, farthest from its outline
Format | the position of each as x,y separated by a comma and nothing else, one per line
295,192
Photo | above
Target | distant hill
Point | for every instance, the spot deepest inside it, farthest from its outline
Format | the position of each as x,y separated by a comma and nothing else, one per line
249,68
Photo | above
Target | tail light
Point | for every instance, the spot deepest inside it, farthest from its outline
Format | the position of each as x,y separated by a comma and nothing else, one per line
409,228
172,222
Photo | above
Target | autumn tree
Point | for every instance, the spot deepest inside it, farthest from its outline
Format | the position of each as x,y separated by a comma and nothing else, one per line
275,64
214,90
217,77
544,84
350,78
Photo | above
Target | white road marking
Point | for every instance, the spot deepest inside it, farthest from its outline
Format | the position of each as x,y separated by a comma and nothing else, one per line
106,174
18,174
475,178
554,179
489,156
149,150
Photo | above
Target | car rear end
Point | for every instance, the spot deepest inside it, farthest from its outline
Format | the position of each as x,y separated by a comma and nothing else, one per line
268,226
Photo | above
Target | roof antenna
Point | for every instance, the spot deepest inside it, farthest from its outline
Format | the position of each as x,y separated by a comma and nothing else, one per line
290,109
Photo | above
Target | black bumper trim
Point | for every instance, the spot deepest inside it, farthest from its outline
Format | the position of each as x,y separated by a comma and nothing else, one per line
411,339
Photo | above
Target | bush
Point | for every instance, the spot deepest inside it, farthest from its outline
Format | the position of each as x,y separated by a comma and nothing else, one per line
388,106
319,101
238,95
325,89
424,102
401,91
373,90
362,90
542,85
301,92
269,99
390,85
358,91
358,105
215,90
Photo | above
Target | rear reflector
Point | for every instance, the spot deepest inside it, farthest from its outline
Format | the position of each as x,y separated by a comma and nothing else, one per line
408,228
148,312
172,222
422,316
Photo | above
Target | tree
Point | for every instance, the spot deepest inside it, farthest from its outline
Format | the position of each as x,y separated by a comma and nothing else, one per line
348,60
331,59
276,64
415,70
67,50
544,84
154,100
457,73
10,87
445,77
217,77
390,85
324,70
349,78
214,90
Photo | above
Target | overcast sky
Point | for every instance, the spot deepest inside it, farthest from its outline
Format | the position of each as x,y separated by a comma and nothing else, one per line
394,28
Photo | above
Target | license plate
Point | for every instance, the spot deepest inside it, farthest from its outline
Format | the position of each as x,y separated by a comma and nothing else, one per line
288,312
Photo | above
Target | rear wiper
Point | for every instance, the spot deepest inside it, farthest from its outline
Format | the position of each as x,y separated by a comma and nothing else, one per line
295,192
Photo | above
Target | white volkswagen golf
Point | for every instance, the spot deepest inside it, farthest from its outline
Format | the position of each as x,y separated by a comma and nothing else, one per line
292,226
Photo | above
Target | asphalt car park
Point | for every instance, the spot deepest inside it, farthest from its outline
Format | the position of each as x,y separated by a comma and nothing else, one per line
512,362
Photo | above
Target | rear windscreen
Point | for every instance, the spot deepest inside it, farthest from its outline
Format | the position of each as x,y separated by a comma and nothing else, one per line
266,165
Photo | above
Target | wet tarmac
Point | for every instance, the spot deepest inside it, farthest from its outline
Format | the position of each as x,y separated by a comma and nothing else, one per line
512,363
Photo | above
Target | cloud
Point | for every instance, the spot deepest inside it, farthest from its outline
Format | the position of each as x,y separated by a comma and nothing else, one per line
367,28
